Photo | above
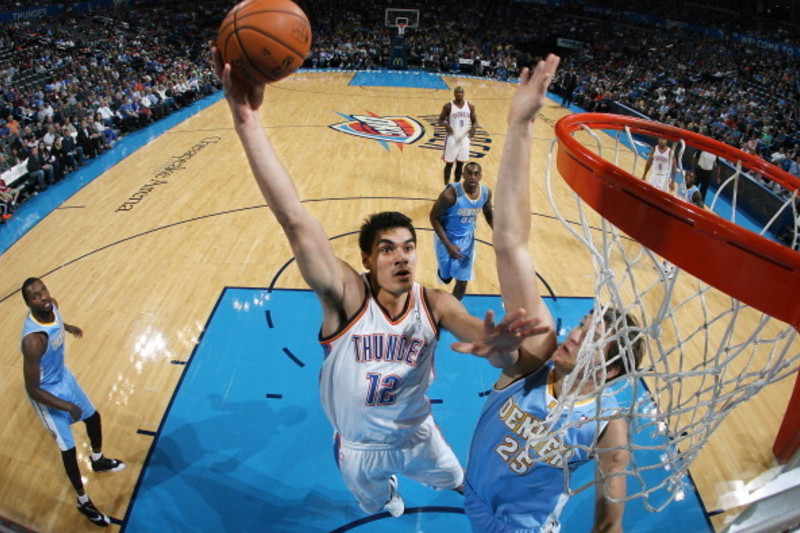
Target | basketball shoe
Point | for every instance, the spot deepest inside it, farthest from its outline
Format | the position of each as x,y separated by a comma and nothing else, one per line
104,464
396,506
90,511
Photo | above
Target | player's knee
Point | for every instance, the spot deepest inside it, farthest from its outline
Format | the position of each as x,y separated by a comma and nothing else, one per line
93,420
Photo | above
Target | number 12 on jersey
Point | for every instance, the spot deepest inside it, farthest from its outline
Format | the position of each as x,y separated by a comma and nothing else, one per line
382,389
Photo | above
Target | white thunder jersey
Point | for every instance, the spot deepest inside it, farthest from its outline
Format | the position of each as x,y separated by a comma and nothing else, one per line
377,371
661,170
460,119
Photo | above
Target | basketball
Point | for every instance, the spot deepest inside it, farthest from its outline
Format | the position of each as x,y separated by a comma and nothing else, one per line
264,40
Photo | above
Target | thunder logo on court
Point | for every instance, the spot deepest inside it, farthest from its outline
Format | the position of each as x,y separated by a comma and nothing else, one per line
385,130
406,130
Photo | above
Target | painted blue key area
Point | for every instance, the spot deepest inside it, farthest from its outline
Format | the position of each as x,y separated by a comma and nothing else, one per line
390,78
245,445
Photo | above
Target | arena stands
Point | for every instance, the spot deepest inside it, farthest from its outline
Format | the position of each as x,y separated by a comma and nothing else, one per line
58,72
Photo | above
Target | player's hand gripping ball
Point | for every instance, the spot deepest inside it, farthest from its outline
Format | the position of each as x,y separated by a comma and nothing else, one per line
264,40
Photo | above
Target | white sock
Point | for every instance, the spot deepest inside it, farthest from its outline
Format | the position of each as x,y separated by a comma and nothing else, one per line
83,499
96,456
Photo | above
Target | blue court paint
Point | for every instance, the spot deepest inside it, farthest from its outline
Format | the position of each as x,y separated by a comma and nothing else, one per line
35,209
231,456
293,357
411,79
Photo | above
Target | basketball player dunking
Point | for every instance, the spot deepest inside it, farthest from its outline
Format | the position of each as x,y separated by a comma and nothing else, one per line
460,121
378,333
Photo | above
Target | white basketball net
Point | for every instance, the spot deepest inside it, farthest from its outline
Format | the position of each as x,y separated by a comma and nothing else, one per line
706,353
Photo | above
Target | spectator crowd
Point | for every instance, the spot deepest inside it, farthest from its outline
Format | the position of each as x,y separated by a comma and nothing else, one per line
71,85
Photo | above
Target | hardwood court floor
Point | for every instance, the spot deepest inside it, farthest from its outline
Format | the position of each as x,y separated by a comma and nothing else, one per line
139,257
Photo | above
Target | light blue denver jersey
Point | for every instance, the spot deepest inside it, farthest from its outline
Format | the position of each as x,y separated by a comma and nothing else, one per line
509,490
688,193
56,378
459,220
51,365
459,225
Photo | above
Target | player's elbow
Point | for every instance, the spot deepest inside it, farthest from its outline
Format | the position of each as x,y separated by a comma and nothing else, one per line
506,245
34,391
294,222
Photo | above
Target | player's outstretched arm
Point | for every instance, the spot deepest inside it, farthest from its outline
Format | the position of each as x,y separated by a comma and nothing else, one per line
320,268
512,211
612,457
499,343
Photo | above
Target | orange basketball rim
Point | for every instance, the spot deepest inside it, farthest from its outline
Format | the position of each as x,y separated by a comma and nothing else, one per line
752,269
